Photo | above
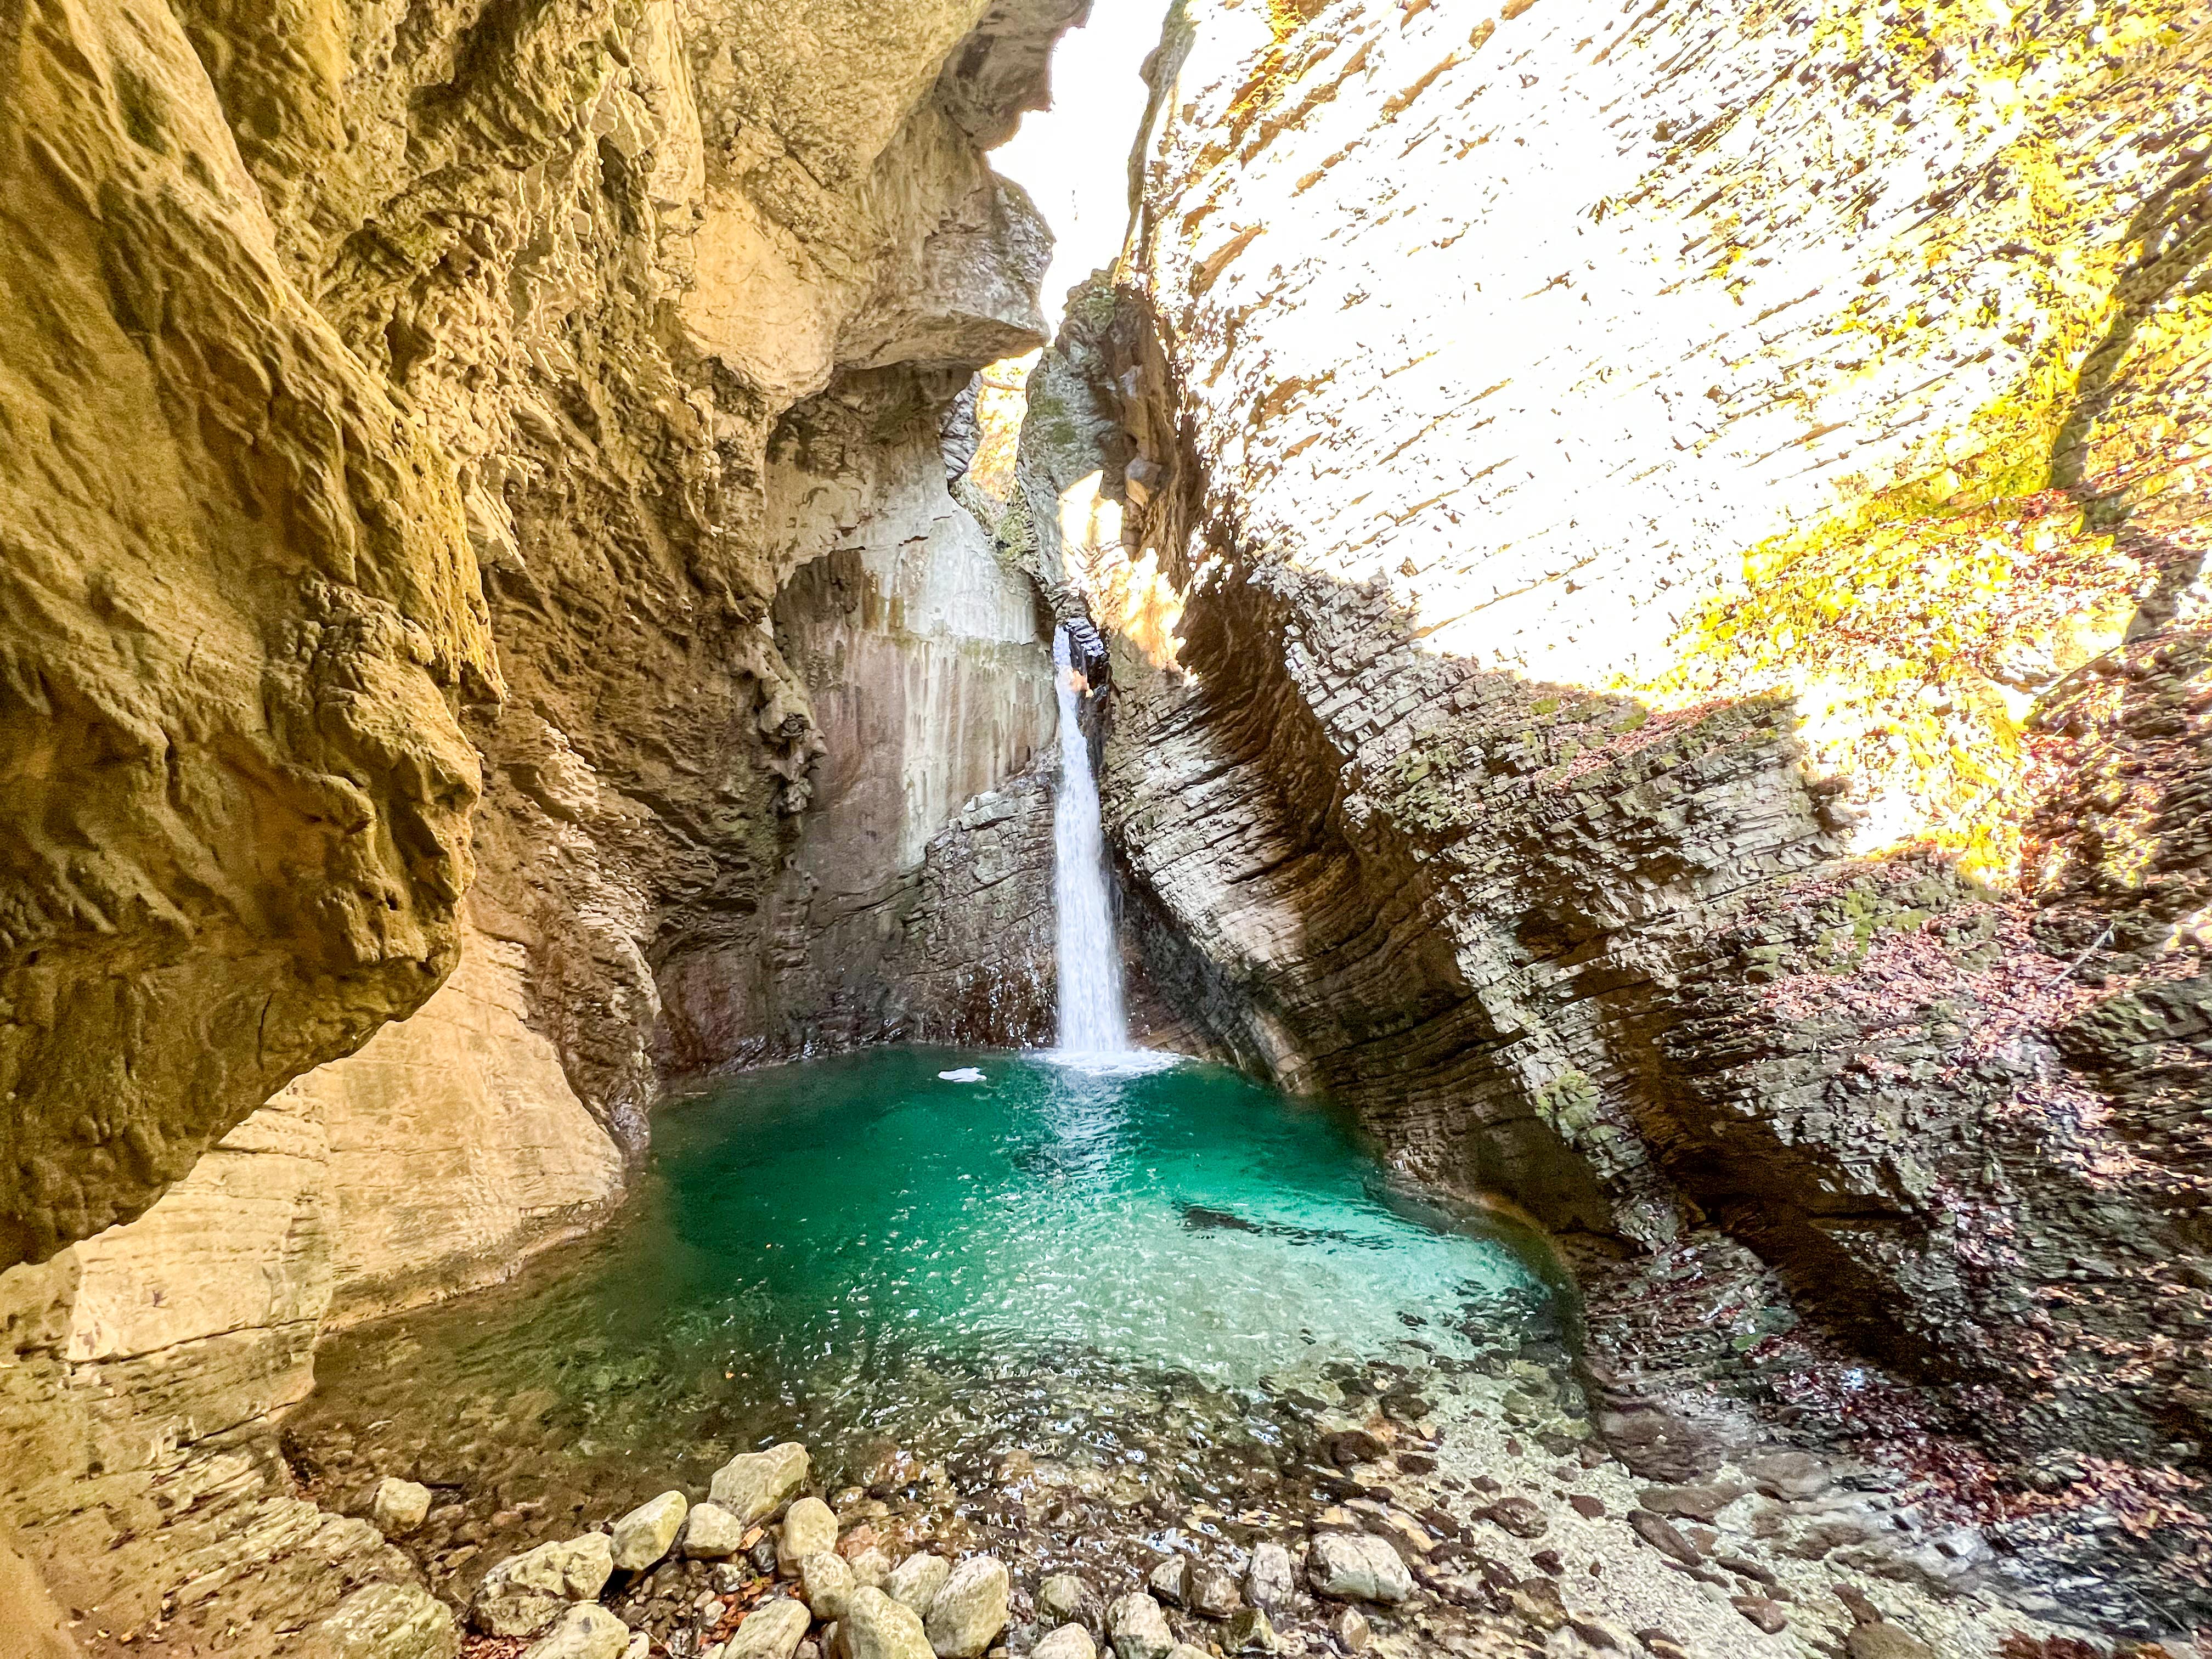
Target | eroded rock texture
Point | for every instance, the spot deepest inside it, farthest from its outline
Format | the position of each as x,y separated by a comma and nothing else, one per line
1654,564
412,419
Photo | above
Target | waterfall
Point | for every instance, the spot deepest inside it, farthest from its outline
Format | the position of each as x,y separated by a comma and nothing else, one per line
1091,1019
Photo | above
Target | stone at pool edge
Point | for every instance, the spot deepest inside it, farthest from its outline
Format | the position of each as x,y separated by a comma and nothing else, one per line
752,1485
648,1532
826,1579
525,1593
1250,1631
808,1529
1356,1567
1068,1642
1137,1629
915,1582
969,1610
772,1631
398,1506
1064,1599
586,1631
1268,1583
879,1628
711,1533
386,1621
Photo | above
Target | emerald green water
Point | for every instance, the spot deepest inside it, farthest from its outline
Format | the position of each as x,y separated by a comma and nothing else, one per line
893,1266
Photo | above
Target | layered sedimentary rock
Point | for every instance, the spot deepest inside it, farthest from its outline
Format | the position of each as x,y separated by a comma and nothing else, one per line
927,663
406,419
1654,564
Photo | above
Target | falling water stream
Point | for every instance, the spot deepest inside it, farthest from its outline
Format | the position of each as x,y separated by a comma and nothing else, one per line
1092,1020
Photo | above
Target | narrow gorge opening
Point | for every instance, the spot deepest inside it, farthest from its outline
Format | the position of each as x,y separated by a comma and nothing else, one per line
1443,893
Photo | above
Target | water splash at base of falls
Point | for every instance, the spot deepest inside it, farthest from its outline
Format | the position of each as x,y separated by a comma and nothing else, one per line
1093,1022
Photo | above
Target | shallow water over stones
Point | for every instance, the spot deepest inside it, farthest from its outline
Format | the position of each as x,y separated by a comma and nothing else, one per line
997,1305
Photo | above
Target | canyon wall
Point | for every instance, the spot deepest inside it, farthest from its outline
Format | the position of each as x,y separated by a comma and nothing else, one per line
1654,563
441,443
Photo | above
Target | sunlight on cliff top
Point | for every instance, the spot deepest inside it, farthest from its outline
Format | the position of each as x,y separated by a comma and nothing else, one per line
1073,158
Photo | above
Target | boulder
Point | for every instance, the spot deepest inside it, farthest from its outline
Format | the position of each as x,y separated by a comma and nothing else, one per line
586,1631
872,1567
1268,1583
386,1621
711,1533
877,1627
526,1593
968,1614
1138,1629
753,1486
1064,1599
398,1506
771,1630
647,1532
808,1529
1068,1642
1350,1629
1355,1567
826,1580
915,1581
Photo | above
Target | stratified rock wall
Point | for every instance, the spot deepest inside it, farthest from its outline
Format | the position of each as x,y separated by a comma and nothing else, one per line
1654,564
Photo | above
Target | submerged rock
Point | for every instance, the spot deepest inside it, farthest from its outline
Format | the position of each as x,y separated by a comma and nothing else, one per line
647,1532
752,1485
398,1506
525,1593
1883,1640
1356,1567
971,1610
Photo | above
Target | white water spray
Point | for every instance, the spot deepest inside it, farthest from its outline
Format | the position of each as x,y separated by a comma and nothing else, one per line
1091,1019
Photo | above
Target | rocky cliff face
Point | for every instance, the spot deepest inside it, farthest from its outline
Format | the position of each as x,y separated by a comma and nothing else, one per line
1654,565
437,439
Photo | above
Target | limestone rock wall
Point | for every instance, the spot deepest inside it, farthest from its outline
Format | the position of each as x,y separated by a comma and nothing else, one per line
391,512
1655,567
